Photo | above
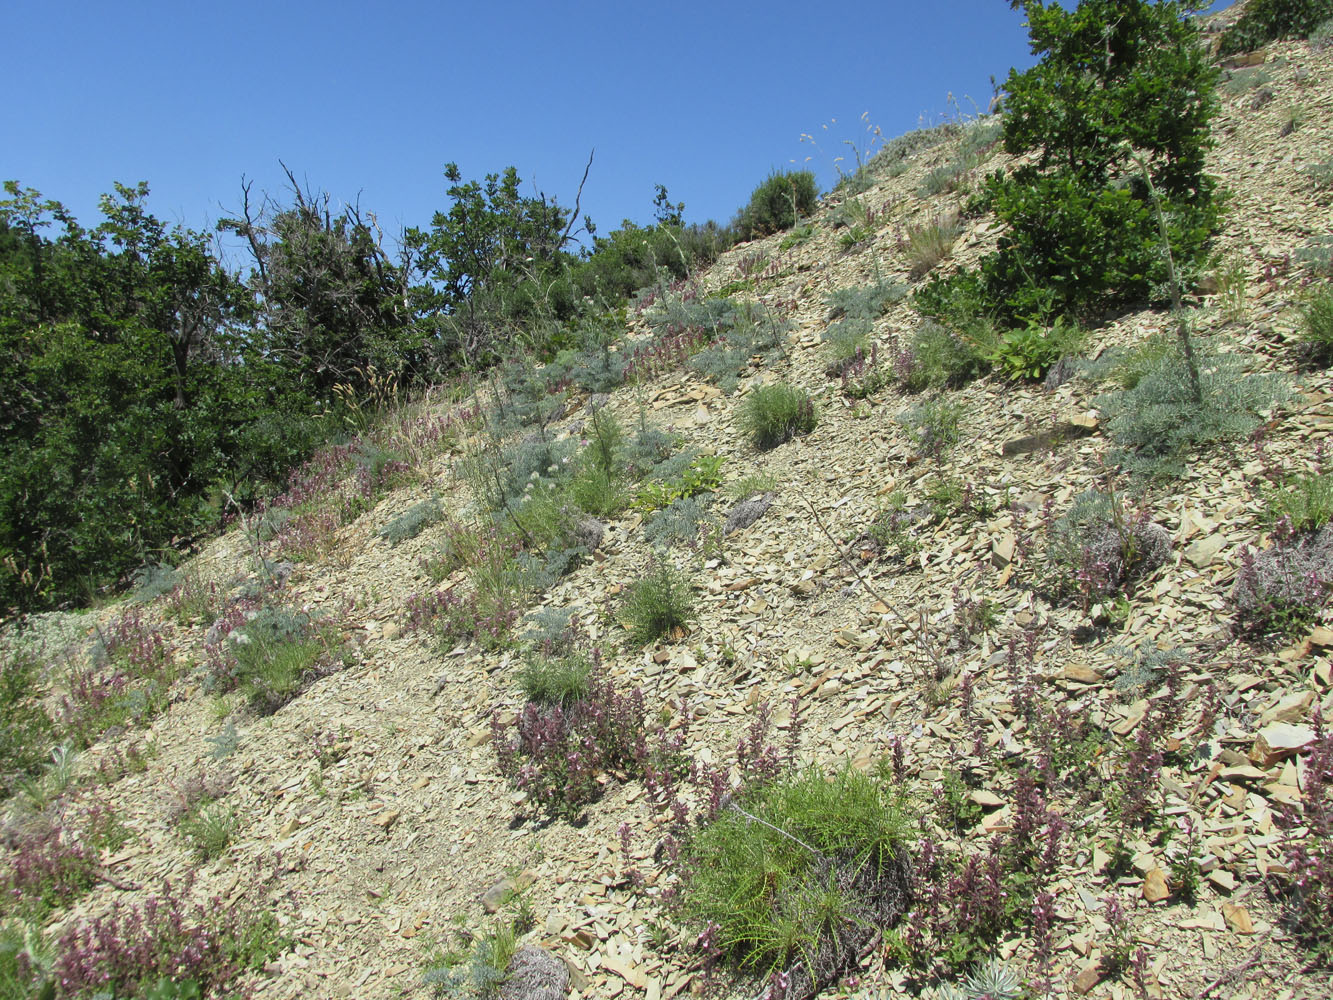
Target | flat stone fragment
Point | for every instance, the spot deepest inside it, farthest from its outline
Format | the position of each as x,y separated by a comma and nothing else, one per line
1278,741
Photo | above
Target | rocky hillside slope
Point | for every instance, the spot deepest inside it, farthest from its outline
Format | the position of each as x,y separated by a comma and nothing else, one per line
369,812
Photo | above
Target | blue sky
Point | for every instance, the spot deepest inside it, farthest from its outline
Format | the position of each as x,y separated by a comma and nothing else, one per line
372,100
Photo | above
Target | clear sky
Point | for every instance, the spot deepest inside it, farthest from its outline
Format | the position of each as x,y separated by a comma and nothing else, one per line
372,100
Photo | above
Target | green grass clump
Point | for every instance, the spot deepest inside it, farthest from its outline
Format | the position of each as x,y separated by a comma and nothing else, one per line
561,680
657,604
209,829
1301,505
798,868
1317,325
930,243
274,656
776,413
777,203
938,357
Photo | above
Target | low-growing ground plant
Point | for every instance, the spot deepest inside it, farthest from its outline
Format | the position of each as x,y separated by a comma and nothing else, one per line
412,521
656,605
678,523
685,475
1299,505
56,857
471,966
1102,545
939,357
1028,352
933,426
271,652
209,829
560,753
1156,421
1282,590
1308,849
772,414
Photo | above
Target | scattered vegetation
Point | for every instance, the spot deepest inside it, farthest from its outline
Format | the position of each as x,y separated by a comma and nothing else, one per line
1317,325
1268,20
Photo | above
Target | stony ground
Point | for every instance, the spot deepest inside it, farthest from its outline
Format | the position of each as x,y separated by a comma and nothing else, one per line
367,855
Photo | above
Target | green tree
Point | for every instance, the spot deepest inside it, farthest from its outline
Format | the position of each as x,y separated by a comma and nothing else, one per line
1117,81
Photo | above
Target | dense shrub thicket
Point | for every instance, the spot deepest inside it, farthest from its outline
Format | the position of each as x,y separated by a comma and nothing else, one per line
1267,20
151,390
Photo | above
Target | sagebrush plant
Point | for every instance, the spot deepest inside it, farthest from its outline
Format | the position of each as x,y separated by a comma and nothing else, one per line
657,604
474,965
772,414
1154,423
412,521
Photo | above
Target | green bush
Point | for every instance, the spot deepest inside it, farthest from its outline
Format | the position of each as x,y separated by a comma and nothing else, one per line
777,204
1268,20
656,604
776,413
796,872
1029,351
1317,325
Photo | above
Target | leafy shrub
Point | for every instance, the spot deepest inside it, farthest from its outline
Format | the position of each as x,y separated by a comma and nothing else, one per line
657,604
933,426
25,726
794,875
412,521
1101,545
929,244
1156,420
1081,232
1267,20
777,203
1029,351
1317,325
776,413
686,475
